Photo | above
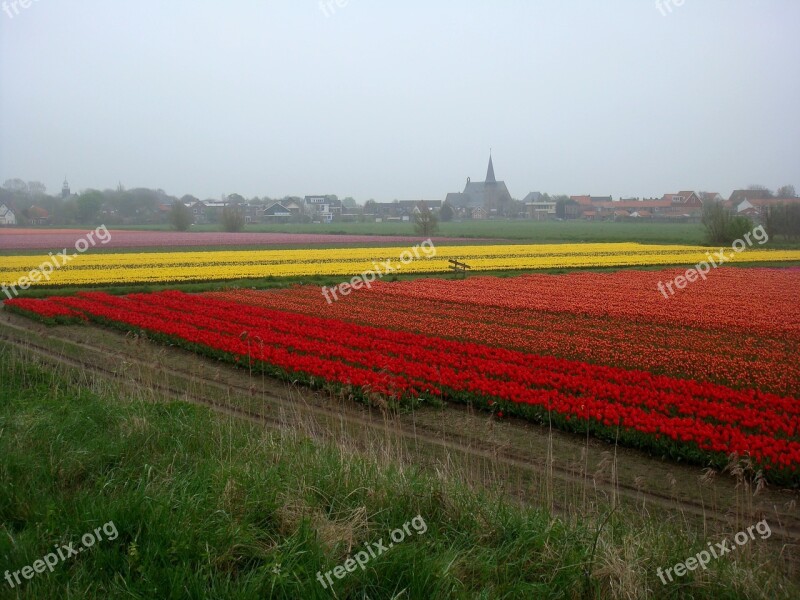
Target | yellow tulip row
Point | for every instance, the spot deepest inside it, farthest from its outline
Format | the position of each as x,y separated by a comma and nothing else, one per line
151,267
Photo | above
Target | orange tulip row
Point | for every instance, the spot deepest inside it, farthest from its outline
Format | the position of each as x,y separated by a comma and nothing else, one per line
739,328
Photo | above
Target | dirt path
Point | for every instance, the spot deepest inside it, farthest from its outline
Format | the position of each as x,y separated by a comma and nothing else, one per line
563,472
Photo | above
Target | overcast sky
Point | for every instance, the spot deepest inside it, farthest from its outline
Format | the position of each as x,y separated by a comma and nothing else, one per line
401,100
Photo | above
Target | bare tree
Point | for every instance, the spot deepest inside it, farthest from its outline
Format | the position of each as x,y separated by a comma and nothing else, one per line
232,219
36,188
425,222
16,185
760,188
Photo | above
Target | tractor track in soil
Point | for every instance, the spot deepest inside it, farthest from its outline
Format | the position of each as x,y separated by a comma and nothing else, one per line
453,434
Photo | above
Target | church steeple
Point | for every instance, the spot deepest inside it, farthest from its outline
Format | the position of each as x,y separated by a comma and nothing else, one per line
490,171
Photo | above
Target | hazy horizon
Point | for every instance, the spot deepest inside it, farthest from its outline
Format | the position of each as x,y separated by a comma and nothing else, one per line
401,101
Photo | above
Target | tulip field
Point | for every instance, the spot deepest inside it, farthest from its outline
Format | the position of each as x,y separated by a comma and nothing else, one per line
21,238
100,268
707,374
749,340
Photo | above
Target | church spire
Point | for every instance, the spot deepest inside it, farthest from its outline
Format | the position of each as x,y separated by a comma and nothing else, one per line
490,171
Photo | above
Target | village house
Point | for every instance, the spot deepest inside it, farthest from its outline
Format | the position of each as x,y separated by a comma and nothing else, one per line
539,207
686,203
37,215
324,208
295,207
738,196
276,212
7,216
755,208
683,205
198,209
399,210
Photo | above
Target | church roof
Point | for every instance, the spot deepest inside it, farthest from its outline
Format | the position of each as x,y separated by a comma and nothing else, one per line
490,172
481,193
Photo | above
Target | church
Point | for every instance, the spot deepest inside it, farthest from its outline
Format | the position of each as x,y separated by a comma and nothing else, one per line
491,195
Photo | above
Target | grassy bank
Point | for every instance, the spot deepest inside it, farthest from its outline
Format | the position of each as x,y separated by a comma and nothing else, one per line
206,506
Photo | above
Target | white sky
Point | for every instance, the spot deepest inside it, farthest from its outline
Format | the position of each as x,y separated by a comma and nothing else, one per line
401,99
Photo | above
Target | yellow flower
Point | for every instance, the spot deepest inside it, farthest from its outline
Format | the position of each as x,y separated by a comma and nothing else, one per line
166,267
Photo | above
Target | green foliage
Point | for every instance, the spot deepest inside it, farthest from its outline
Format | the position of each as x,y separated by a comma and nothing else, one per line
136,204
89,204
722,227
566,207
738,227
118,206
446,213
783,220
180,217
232,219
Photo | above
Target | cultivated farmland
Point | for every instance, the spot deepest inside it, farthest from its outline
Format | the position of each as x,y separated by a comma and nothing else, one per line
599,389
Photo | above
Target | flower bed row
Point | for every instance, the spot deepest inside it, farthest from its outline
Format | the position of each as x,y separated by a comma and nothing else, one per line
687,420
746,341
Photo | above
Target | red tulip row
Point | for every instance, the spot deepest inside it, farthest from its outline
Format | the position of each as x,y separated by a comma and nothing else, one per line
775,415
43,309
713,352
694,418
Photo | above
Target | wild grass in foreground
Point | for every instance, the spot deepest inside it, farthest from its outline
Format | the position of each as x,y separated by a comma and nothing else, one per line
208,506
